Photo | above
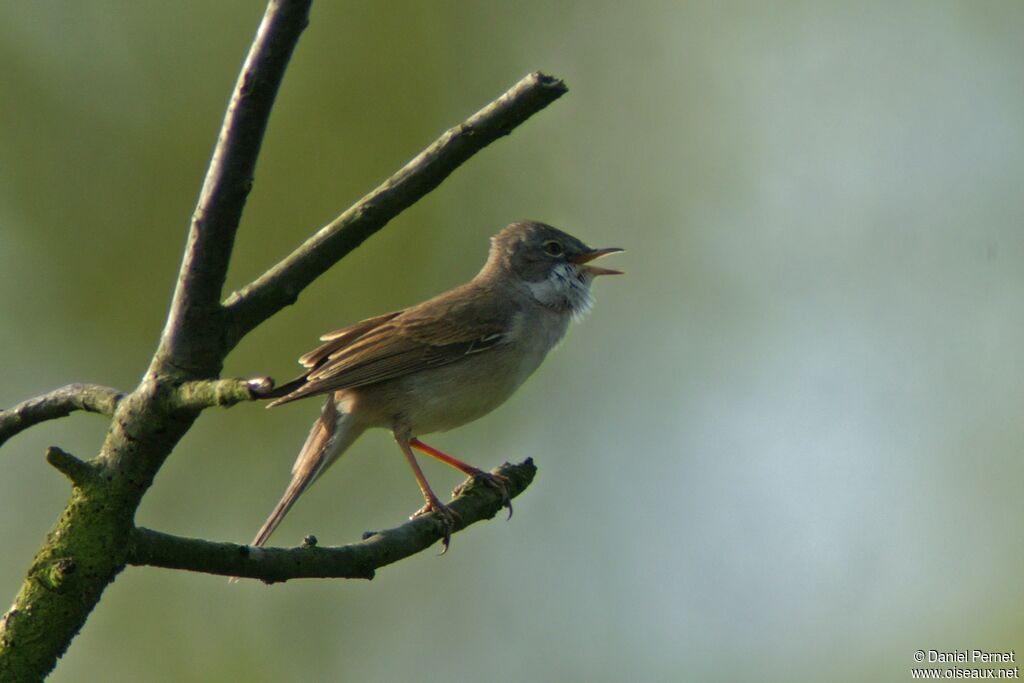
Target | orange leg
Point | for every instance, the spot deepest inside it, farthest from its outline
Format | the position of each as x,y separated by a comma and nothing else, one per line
434,504
463,467
495,481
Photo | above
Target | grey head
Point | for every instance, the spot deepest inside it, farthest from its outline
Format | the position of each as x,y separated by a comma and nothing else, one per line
552,265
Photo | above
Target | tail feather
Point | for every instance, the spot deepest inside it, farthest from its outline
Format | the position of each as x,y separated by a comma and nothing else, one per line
331,435
281,393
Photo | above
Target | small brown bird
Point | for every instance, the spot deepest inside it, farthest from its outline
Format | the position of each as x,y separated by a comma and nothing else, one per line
445,362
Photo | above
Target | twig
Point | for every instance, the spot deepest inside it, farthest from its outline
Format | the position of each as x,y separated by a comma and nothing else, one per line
280,286
196,302
78,471
92,398
477,502
209,393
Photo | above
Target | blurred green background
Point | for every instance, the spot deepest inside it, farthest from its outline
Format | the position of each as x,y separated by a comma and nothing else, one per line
785,446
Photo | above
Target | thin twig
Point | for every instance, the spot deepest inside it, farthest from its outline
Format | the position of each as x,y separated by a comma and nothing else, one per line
280,286
196,302
92,398
475,503
78,471
222,393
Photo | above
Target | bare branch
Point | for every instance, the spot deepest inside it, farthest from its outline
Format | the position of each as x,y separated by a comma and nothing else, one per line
78,471
92,398
477,502
185,342
87,547
281,285
221,392
94,538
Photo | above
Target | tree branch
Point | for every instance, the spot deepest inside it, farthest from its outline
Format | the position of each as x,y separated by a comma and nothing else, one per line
88,545
210,393
78,471
475,503
92,398
281,285
196,304
94,538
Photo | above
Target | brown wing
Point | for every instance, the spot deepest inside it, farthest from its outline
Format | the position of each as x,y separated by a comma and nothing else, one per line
342,337
437,332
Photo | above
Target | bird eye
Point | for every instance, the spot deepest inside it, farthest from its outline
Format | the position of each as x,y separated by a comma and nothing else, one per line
553,248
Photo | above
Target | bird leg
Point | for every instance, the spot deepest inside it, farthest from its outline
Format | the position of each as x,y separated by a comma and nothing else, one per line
433,504
495,481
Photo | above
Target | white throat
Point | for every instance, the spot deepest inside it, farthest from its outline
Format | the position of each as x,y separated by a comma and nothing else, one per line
567,288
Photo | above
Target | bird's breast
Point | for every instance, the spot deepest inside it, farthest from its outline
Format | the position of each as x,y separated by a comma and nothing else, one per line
455,394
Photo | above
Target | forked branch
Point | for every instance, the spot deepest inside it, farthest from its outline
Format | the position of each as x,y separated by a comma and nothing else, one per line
281,285
95,537
195,308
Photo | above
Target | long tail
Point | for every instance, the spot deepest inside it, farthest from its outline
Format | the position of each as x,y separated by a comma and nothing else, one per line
332,434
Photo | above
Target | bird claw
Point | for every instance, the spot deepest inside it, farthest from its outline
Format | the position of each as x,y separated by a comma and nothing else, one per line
450,518
496,481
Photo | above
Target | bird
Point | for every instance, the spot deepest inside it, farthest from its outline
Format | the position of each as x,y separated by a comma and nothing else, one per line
442,363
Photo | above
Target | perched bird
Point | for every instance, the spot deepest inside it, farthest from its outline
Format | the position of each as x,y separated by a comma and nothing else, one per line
442,363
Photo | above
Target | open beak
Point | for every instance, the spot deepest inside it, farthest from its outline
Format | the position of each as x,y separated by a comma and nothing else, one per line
588,256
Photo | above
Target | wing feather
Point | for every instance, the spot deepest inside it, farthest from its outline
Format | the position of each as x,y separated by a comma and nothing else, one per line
345,335
439,331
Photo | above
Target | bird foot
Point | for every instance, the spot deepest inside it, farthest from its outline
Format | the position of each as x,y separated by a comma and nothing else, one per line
448,517
495,481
